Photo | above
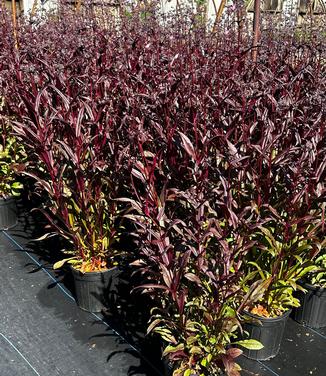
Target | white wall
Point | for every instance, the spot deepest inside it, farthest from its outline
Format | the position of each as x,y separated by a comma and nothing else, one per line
44,5
167,5
170,5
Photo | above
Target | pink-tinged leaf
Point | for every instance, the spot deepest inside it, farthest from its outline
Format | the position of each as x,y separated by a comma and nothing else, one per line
41,182
234,352
187,145
148,286
193,278
70,155
181,300
320,170
152,325
79,121
231,368
38,101
138,175
64,98
53,223
233,150
167,276
134,204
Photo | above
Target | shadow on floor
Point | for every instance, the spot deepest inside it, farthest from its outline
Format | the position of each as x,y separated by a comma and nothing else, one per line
127,313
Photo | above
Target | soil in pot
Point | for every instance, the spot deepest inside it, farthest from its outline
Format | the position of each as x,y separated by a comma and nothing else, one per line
312,310
267,330
8,213
95,289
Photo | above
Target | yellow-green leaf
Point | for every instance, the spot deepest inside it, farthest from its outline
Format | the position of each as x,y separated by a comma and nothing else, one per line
171,349
60,263
250,344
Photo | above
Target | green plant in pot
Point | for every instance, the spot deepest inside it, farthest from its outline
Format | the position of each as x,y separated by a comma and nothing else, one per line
312,310
92,254
274,266
318,276
12,162
202,340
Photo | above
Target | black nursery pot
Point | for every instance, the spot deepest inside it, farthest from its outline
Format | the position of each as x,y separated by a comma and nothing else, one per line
168,369
312,310
8,213
93,289
269,333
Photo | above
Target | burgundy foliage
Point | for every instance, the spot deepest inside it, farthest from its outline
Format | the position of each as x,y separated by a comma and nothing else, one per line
179,128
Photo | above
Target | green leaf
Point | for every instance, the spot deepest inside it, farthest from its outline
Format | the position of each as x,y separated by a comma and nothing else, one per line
17,185
212,340
195,350
191,340
60,263
171,349
46,236
250,344
204,362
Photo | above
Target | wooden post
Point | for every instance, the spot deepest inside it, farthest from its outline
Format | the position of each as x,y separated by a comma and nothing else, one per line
218,13
14,22
78,5
256,30
220,9
34,8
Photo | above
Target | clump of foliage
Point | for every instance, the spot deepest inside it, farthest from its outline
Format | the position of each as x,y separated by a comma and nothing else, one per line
217,162
63,119
319,277
12,159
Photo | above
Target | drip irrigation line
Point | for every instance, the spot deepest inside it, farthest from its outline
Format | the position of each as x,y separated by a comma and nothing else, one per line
67,293
15,348
268,368
316,332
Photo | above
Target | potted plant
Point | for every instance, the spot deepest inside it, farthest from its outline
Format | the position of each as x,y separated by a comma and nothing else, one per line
189,258
12,158
87,218
92,256
312,310
274,266
77,163
201,342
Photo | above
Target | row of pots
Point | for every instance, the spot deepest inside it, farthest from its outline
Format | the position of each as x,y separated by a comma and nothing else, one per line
91,289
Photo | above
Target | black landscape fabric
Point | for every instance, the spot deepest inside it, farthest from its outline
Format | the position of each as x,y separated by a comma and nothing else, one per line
43,332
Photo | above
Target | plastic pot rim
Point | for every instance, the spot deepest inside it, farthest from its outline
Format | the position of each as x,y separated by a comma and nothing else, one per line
268,319
79,272
312,287
8,198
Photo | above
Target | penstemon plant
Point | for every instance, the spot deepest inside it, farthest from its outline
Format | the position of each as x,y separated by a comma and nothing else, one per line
190,255
198,293
79,163
76,156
